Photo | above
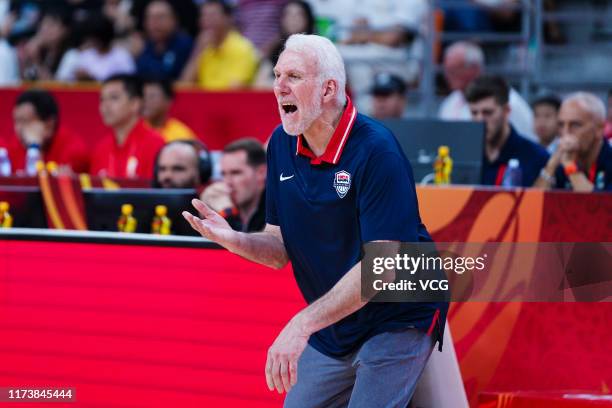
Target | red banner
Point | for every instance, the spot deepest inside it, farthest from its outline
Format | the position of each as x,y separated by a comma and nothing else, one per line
216,117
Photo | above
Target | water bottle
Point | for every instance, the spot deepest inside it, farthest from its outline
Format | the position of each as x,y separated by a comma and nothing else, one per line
127,222
33,156
513,176
443,166
5,163
6,219
161,223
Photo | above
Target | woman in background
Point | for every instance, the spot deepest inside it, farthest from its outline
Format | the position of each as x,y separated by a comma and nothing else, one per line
296,17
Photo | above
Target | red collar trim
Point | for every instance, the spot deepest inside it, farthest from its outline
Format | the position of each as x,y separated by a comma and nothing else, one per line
336,143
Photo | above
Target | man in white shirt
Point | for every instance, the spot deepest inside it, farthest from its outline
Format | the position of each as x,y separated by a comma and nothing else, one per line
464,62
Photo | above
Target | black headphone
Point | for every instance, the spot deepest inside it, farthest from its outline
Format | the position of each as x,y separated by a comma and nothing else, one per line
204,160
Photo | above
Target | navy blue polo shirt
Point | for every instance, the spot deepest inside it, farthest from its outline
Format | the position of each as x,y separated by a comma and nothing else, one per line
532,158
600,174
170,62
360,190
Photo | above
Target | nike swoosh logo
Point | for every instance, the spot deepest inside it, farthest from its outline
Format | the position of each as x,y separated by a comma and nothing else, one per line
286,178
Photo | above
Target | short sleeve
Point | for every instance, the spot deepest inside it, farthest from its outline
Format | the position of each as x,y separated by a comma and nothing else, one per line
271,192
388,208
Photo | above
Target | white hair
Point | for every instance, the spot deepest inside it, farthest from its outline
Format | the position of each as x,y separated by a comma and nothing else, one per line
472,53
589,103
326,55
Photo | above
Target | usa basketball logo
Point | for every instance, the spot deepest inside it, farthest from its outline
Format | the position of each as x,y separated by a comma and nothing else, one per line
342,183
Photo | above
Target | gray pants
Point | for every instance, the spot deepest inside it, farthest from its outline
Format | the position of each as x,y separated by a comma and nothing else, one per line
382,373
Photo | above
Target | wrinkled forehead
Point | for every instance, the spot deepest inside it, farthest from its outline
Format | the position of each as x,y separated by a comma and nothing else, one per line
572,110
290,60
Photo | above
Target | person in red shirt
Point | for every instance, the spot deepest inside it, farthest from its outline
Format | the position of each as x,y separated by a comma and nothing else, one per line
37,127
129,150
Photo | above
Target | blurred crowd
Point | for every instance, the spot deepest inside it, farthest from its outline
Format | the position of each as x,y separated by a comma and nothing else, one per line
218,44
138,50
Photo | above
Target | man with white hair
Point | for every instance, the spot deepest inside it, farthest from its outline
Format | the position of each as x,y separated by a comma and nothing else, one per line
464,62
336,181
583,160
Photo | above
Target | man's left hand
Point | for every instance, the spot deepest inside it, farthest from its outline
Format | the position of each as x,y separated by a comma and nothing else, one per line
283,356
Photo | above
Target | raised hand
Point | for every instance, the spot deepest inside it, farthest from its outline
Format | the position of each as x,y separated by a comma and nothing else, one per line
211,225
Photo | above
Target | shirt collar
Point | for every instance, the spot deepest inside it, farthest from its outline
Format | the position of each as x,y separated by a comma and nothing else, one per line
509,149
336,144
134,134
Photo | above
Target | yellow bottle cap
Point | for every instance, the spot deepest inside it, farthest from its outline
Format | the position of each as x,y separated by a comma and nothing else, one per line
4,206
443,151
126,209
51,166
161,210
40,166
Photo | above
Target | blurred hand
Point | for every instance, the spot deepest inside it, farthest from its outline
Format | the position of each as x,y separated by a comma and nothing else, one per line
204,40
82,74
568,148
33,133
217,196
211,225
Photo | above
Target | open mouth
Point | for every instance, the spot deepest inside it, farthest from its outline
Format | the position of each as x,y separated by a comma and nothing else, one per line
289,108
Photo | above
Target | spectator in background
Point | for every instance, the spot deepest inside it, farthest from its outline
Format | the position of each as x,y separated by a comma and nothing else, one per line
157,101
546,125
608,128
222,58
258,20
373,36
21,20
40,56
118,11
37,124
167,48
583,160
186,12
129,150
18,23
296,17
483,15
388,96
97,58
182,164
488,98
464,62
241,197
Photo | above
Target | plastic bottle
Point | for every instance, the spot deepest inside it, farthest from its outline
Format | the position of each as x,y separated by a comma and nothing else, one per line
6,219
52,168
5,163
443,166
127,222
513,176
161,223
33,156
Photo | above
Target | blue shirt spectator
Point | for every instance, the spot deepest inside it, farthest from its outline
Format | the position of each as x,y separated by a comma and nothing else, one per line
532,158
166,48
489,99
168,63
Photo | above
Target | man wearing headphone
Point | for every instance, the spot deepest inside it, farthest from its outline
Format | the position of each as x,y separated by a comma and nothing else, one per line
182,164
